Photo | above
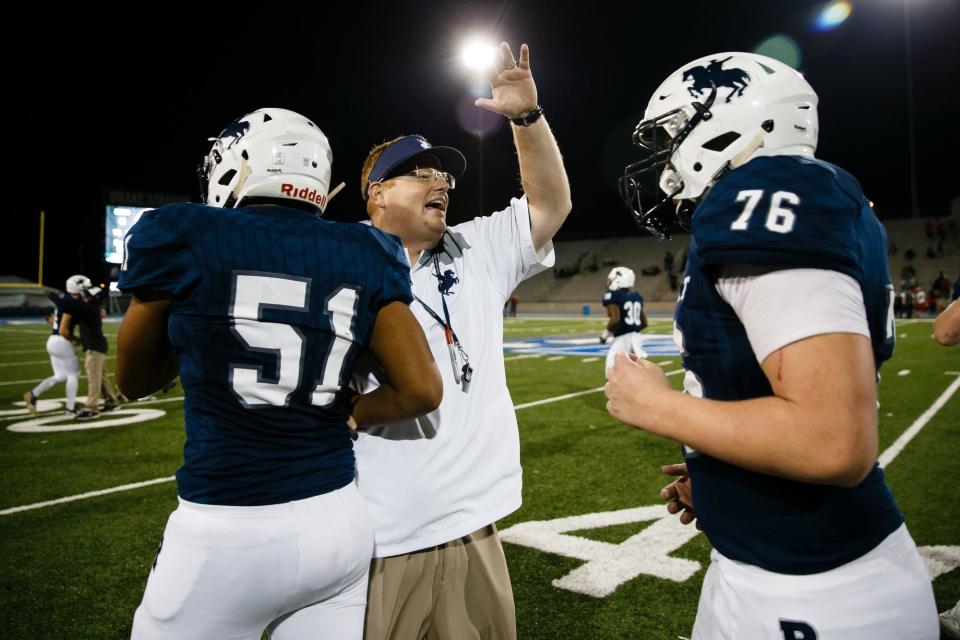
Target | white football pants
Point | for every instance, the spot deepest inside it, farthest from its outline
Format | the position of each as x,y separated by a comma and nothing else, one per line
297,570
885,593
66,368
627,343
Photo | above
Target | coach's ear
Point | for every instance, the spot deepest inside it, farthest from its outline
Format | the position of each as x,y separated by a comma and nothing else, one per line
375,194
376,202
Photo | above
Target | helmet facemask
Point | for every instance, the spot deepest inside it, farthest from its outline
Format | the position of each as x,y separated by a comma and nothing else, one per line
644,183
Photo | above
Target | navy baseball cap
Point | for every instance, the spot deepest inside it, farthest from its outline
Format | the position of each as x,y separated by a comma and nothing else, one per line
409,147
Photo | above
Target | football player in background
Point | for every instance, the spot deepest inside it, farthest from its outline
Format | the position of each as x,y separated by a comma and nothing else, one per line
784,318
263,307
625,315
63,357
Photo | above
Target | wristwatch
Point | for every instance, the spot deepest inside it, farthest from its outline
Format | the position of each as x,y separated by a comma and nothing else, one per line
529,119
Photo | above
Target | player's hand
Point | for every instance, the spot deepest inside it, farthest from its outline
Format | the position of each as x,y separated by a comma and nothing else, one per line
679,493
633,387
514,93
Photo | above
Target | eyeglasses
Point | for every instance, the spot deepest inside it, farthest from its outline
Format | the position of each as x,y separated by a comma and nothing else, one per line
429,175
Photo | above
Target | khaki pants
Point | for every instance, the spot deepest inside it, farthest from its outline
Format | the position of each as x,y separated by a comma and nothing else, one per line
456,591
97,382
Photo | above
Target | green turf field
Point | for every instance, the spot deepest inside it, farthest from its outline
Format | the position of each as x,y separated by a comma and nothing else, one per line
77,569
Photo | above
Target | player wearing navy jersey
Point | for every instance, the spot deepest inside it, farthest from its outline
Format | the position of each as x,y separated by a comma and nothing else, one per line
783,320
63,357
262,308
625,315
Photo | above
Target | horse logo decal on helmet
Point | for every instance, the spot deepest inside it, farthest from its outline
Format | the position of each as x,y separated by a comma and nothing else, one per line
234,131
714,75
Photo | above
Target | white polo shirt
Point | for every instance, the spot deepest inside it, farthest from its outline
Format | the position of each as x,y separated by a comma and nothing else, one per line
437,478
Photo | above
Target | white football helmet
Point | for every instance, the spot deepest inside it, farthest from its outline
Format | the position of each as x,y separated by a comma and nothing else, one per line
708,117
78,284
621,278
270,153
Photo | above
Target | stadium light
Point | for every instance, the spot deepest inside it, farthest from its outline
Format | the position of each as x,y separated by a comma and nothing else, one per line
479,54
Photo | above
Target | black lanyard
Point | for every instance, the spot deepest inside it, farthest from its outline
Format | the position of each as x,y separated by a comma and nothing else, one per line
461,374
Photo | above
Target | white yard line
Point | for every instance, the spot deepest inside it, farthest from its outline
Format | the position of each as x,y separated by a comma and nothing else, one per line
89,494
17,364
894,449
522,357
6,384
567,396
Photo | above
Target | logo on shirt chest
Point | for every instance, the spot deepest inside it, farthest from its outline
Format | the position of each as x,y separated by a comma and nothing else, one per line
446,281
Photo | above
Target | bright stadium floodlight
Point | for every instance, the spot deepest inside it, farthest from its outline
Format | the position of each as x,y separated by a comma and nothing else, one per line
479,54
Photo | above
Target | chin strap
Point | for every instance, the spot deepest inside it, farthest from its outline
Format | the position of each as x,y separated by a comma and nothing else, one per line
335,191
755,143
241,180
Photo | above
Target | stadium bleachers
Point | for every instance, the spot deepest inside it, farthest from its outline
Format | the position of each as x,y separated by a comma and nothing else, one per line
547,293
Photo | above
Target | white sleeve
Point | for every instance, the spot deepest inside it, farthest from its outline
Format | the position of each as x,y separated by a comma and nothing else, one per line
780,307
508,246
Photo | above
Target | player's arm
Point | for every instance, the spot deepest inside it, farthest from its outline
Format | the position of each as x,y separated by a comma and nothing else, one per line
643,320
66,328
412,384
820,425
65,325
809,330
613,316
946,328
145,360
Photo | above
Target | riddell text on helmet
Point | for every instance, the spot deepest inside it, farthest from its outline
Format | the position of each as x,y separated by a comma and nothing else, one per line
310,195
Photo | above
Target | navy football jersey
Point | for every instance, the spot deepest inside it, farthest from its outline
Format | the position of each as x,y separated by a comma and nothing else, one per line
631,306
790,212
270,307
60,307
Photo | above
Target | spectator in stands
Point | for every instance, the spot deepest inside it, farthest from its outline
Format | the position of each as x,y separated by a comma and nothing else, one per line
940,287
909,255
941,235
668,267
513,306
908,275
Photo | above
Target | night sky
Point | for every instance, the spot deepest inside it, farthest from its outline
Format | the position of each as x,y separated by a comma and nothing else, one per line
126,101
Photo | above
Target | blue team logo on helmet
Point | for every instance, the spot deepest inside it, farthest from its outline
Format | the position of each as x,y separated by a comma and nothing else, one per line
233,132
714,75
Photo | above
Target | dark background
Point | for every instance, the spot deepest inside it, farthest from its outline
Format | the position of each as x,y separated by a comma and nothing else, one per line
125,100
